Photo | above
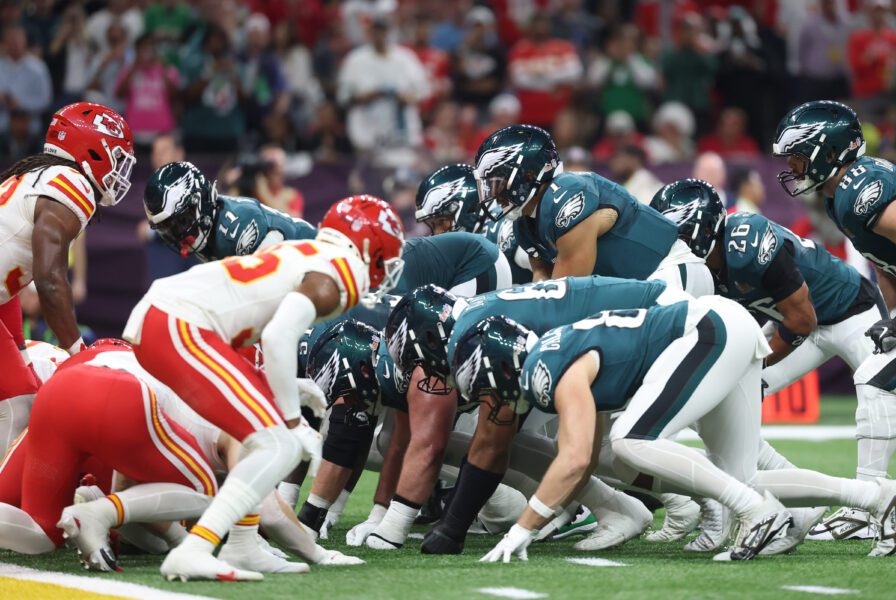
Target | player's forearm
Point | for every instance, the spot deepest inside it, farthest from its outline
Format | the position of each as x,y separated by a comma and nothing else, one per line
279,341
58,308
887,285
780,349
561,481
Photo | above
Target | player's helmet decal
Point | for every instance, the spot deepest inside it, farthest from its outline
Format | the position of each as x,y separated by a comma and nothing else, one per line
494,158
868,196
326,377
467,373
794,135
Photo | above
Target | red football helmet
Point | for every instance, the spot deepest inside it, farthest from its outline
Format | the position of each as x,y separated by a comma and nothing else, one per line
100,141
375,231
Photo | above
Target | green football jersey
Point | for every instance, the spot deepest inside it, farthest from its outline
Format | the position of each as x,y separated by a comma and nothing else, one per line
859,200
548,304
501,233
627,342
752,242
447,259
633,248
244,225
393,383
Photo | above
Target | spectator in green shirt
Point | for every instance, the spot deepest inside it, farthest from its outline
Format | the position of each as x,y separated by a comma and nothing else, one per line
689,70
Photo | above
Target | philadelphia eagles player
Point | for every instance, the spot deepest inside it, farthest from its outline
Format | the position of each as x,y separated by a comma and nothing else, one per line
663,368
189,215
577,224
825,151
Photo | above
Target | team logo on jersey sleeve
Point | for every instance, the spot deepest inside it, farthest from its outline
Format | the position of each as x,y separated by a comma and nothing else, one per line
796,134
571,209
767,246
505,236
326,377
494,158
468,371
248,239
868,196
541,384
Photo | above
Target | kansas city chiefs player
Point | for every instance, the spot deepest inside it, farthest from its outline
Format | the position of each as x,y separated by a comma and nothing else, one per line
46,200
187,328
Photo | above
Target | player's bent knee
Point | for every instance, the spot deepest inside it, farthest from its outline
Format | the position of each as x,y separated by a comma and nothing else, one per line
277,441
350,433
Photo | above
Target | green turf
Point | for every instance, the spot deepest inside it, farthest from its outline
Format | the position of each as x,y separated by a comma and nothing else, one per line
657,570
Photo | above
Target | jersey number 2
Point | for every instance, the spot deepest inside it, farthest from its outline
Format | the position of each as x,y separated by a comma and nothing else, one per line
246,269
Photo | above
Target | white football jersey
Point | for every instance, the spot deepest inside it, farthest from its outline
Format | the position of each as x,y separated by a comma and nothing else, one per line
236,297
18,196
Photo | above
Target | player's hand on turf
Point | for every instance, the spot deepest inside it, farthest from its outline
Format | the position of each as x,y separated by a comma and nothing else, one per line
514,543
312,445
331,520
883,334
357,535
312,396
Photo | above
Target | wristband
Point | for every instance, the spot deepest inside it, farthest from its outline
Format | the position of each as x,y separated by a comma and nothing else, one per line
543,509
76,347
790,337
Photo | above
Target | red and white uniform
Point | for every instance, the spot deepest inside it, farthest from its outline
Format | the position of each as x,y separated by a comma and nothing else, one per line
186,328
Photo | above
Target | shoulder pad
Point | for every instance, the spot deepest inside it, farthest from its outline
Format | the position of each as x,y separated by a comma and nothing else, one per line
68,187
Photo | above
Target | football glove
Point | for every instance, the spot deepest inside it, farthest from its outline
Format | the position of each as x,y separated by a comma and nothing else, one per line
312,445
357,535
883,334
514,543
312,396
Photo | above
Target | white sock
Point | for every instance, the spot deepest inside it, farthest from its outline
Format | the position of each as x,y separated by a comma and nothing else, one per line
318,502
339,506
290,493
20,533
802,487
770,459
396,525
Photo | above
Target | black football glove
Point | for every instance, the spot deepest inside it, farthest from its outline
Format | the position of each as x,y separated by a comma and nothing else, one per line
883,334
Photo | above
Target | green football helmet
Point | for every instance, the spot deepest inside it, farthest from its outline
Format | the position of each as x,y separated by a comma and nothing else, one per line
695,206
826,135
417,335
511,165
180,204
450,194
487,362
341,363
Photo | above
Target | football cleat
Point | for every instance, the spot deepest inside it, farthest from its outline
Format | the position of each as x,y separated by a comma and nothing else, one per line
583,524
254,557
83,526
845,524
614,529
886,516
803,520
438,541
682,517
716,527
377,542
558,522
185,564
771,522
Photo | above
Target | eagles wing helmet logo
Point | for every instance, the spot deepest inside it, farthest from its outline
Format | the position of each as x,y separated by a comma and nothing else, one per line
248,240
541,384
767,246
796,134
868,196
395,344
571,209
439,196
494,158
178,193
683,213
468,371
326,377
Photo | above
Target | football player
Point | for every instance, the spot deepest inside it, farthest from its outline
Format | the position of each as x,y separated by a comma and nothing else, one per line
46,201
187,327
577,224
664,368
190,217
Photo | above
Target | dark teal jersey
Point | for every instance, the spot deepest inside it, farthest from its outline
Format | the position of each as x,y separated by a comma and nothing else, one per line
393,384
548,304
447,259
627,343
859,200
751,244
501,233
632,248
243,225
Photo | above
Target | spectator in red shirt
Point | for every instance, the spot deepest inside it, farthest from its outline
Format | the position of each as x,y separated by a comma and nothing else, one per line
620,131
434,61
542,72
872,56
730,139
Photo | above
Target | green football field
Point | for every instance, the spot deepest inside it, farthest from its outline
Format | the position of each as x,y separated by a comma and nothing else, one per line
658,570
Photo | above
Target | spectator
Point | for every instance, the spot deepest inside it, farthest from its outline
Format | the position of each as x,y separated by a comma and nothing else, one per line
571,129
380,84
329,53
576,160
623,76
436,64
442,137
689,69
150,91
40,24
264,86
673,126
711,168
503,111
480,64
107,65
447,33
24,80
213,119
821,51
168,21
627,168
748,189
542,72
116,10
572,22
68,56
301,84
619,131
730,139
328,137
872,58
20,141
271,188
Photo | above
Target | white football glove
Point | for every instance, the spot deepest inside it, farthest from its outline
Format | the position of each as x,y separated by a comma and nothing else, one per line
334,558
312,445
334,514
514,542
357,535
312,396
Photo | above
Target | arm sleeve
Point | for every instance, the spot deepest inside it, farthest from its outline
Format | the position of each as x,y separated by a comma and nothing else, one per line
782,277
279,341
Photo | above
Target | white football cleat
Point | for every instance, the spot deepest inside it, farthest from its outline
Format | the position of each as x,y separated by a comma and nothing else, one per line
266,546
557,522
380,543
614,529
185,564
335,558
886,517
769,521
845,524
803,520
88,530
682,517
716,527
255,557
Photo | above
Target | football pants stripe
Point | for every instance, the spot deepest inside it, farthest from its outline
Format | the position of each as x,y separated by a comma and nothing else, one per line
119,508
12,448
206,534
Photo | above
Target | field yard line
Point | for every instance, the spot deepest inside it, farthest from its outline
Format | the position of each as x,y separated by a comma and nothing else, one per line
93,584
808,433
819,589
512,592
594,562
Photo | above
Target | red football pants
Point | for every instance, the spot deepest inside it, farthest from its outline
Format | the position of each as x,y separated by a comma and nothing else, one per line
207,373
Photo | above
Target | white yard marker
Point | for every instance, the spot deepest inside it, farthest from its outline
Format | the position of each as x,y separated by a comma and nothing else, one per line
511,592
415,536
97,585
594,562
819,589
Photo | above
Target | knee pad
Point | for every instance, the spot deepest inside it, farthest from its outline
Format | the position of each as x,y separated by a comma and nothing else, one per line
875,413
350,432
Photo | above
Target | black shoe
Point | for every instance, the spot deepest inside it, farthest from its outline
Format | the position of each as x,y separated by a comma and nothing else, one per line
439,542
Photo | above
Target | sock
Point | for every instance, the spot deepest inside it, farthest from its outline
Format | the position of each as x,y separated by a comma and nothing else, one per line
802,487
314,511
150,502
396,525
280,524
473,489
770,459
20,533
290,492
245,530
